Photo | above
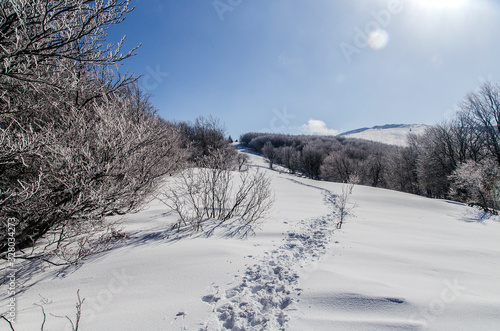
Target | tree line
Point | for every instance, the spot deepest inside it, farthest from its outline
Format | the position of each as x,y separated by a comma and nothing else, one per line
458,159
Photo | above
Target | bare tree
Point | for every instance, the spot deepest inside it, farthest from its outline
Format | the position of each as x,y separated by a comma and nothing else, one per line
39,33
401,170
79,140
290,158
57,72
482,111
242,160
471,135
436,161
208,134
105,160
337,167
311,159
270,153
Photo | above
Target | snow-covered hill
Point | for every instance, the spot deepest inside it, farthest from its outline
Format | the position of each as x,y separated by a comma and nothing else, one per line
393,134
400,262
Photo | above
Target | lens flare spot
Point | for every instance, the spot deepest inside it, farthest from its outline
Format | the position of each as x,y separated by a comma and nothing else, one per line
378,39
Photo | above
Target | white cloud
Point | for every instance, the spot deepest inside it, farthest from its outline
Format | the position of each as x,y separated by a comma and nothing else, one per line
318,127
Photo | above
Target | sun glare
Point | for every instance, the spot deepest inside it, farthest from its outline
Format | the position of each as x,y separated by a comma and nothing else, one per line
442,4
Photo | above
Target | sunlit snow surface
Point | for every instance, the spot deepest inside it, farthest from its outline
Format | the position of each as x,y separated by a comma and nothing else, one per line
393,135
400,262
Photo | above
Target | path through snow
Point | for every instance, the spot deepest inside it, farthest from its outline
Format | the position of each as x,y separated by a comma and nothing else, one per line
269,288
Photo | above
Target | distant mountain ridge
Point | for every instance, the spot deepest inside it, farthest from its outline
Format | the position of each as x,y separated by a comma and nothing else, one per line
380,127
392,134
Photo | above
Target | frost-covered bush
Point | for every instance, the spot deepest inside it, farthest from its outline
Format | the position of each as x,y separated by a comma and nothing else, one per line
78,140
477,183
215,192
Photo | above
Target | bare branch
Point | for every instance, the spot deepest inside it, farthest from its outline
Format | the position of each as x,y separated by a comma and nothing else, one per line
10,324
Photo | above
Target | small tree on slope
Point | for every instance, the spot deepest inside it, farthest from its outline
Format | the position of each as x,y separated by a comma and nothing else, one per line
343,201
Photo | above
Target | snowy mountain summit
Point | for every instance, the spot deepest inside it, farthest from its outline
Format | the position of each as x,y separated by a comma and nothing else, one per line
392,134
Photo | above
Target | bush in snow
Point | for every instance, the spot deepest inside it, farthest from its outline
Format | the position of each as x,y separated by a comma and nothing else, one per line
213,191
78,141
477,183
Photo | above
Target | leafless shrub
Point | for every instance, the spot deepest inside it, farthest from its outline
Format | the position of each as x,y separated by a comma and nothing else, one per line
215,192
343,200
105,160
74,324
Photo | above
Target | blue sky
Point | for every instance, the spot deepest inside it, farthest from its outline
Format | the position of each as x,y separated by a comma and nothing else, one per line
311,66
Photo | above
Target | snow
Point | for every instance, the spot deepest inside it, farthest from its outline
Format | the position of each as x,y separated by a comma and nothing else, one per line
400,262
389,134
406,263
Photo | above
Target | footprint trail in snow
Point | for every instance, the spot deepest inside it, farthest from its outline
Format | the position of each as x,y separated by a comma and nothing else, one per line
270,287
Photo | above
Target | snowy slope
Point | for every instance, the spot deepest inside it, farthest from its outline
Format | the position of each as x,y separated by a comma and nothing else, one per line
388,134
406,263
401,262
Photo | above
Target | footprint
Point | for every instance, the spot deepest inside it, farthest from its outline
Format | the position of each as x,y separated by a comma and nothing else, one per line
210,298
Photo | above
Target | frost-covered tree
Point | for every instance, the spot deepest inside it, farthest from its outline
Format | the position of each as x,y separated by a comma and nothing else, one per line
401,170
477,183
79,141
337,167
290,158
312,157
270,153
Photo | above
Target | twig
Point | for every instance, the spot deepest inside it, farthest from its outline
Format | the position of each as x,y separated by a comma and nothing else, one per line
74,326
44,315
11,327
